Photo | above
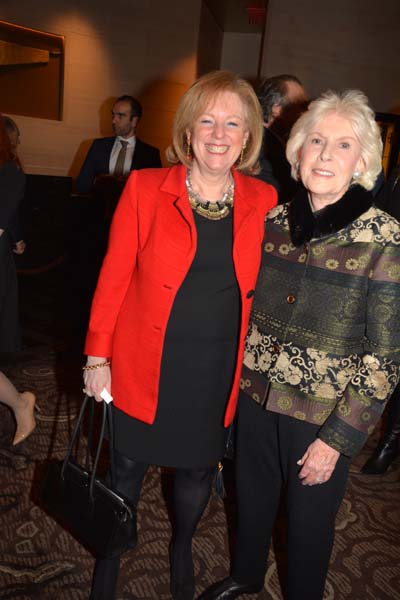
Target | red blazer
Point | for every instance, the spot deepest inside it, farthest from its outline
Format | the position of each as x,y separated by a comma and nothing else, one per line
152,245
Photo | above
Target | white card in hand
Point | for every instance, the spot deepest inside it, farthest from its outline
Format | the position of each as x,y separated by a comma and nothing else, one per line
106,396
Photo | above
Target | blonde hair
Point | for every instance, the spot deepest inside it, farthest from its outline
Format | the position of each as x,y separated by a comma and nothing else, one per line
352,105
194,103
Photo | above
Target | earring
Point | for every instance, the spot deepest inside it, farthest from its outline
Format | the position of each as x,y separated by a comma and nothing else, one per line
188,149
242,153
356,174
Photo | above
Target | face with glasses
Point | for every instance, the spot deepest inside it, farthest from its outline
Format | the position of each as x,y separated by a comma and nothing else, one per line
123,124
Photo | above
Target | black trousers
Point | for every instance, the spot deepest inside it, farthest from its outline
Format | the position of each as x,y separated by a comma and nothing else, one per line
268,448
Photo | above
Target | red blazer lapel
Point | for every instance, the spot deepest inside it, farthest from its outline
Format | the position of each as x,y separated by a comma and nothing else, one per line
243,210
178,202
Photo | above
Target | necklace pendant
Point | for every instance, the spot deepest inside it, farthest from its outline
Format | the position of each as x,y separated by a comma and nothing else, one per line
214,211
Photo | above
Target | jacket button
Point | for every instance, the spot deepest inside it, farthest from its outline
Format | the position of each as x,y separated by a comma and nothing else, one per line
290,299
250,294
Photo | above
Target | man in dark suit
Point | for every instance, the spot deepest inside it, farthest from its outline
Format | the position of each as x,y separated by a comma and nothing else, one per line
102,179
282,100
120,154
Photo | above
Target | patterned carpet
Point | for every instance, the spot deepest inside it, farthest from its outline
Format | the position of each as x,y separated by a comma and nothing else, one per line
41,561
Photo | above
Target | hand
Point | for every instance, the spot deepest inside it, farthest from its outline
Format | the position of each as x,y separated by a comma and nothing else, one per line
96,380
19,247
318,463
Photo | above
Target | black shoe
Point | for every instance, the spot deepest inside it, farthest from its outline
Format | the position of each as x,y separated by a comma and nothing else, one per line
182,590
228,589
382,458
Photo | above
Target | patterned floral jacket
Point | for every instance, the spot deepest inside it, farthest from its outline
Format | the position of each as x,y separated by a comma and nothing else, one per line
323,343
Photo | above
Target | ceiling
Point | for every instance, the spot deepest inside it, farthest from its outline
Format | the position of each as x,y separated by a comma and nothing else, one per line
232,15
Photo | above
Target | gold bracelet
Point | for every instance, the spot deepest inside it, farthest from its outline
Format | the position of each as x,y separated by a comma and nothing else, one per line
106,363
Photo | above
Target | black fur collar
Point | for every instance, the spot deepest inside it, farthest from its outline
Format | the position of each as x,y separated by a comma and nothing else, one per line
305,225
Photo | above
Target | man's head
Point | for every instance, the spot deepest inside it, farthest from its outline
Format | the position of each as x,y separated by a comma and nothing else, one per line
282,100
126,114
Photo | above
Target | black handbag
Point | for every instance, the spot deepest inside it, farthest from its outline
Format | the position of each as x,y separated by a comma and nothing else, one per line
94,512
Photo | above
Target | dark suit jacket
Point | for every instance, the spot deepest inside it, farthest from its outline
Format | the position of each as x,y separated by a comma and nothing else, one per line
98,158
275,168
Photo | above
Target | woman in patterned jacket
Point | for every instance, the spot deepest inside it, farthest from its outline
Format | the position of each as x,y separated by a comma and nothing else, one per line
323,347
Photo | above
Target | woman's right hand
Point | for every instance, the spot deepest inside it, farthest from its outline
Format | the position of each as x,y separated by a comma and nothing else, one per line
96,380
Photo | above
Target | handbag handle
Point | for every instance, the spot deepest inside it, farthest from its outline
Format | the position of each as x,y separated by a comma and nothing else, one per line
111,443
90,436
107,415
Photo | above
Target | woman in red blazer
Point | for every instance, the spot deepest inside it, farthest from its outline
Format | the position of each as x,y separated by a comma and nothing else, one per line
171,308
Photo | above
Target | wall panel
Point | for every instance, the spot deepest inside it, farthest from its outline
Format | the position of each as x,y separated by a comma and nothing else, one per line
337,45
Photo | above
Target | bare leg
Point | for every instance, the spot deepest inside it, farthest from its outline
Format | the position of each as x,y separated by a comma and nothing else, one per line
22,405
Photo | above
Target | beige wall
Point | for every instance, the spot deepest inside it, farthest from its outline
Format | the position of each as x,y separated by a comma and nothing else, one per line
341,44
240,53
145,48
210,42
148,48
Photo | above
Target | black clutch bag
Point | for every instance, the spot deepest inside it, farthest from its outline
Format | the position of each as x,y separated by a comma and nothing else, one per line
93,511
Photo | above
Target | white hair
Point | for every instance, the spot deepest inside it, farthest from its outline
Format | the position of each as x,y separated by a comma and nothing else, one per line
352,105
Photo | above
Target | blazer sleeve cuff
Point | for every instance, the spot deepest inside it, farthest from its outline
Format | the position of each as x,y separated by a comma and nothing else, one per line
341,436
98,344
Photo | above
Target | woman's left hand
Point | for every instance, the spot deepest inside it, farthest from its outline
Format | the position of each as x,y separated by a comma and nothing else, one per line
318,463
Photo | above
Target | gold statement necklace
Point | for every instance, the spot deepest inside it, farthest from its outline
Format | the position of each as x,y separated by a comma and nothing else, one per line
213,210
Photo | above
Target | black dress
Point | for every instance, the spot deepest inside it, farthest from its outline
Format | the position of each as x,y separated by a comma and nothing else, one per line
12,182
198,363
